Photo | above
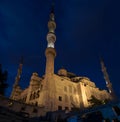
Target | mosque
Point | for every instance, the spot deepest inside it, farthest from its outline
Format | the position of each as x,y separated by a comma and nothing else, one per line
61,91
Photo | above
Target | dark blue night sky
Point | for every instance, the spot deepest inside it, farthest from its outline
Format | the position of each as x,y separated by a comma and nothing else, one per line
86,30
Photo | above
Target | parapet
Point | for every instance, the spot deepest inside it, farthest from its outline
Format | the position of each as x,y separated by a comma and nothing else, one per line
35,79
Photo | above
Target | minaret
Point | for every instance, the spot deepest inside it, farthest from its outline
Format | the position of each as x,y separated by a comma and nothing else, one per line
19,72
16,88
50,51
49,85
107,80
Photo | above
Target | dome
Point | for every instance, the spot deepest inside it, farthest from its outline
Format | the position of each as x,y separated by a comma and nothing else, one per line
35,73
62,72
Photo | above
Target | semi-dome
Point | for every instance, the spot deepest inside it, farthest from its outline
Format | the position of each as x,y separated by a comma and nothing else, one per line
62,72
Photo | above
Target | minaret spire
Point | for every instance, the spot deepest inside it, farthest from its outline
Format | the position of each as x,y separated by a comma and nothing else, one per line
16,88
51,38
19,72
52,6
50,52
107,80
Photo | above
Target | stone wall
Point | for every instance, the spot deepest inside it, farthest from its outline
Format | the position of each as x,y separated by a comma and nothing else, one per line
16,106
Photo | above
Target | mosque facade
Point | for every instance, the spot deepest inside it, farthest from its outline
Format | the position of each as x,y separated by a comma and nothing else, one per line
61,91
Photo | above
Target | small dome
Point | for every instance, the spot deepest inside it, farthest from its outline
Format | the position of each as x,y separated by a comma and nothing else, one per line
62,72
35,73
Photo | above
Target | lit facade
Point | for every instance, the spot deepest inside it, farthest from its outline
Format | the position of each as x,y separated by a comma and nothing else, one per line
60,91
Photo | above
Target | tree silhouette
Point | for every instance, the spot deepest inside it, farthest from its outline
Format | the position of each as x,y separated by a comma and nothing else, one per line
3,79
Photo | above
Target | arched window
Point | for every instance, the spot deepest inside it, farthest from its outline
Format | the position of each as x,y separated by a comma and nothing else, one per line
37,94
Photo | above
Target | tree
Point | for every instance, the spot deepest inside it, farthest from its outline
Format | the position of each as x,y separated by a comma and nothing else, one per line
3,79
96,102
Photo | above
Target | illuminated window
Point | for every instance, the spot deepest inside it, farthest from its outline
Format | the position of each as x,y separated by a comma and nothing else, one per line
59,107
65,88
60,98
